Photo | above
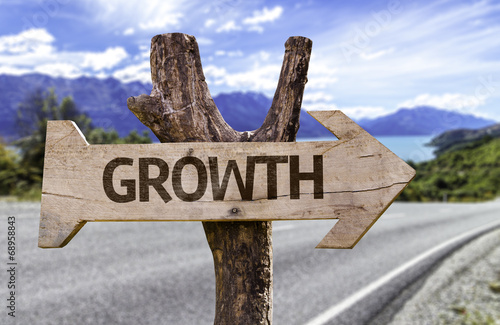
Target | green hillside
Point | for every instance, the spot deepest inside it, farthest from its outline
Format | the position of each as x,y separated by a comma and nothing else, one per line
471,173
458,139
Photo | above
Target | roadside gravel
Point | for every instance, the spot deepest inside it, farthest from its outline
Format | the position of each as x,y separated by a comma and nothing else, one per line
459,291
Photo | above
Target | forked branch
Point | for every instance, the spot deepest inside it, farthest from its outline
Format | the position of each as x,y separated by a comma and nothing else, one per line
181,109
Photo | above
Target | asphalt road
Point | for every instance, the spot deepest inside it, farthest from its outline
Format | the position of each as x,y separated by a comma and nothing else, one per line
162,273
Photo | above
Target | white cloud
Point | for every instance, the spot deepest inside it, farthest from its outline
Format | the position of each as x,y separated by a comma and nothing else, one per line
253,23
104,60
153,15
321,74
33,51
230,54
212,71
161,22
321,101
316,97
371,56
209,23
27,50
65,70
354,112
144,53
256,28
457,102
321,80
359,112
264,56
137,72
258,78
15,71
263,16
228,26
319,106
204,41
129,31
31,40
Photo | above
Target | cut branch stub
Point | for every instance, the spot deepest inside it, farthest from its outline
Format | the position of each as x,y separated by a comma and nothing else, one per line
181,109
282,120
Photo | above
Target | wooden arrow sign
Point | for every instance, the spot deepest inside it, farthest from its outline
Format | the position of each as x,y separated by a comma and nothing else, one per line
354,180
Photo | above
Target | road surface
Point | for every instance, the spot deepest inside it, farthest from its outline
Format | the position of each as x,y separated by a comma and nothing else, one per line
162,273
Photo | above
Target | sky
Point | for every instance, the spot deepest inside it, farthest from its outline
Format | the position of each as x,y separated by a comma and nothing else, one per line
369,58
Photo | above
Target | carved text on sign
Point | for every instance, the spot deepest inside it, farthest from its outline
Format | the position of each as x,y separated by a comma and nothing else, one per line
145,181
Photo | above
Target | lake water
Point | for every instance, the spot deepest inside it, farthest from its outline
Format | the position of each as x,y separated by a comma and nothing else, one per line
406,147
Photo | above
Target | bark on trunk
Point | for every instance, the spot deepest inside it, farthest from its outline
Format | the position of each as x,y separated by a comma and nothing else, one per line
181,109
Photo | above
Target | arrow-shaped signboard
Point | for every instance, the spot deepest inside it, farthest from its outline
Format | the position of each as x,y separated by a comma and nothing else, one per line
354,180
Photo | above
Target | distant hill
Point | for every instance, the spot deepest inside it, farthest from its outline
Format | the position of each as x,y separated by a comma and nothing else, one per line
422,120
461,138
105,101
471,173
246,111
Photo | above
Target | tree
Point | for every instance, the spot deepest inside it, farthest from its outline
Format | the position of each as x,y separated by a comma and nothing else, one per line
32,116
8,168
101,136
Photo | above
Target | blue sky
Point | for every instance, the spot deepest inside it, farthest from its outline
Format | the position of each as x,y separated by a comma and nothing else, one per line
369,57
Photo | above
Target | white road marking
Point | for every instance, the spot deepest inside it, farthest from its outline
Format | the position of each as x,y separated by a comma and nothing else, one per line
337,309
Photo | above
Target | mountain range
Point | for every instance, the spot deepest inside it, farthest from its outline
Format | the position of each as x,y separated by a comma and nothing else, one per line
422,120
105,101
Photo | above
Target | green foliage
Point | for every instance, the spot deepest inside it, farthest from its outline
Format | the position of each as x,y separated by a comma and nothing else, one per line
463,138
135,138
469,174
32,116
8,169
100,136
21,174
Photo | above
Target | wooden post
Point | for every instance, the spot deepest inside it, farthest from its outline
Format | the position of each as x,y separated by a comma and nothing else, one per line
181,109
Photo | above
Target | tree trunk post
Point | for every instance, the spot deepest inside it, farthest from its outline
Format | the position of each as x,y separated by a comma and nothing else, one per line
181,109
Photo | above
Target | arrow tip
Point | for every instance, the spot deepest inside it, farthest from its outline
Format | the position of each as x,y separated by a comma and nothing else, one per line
355,222
369,201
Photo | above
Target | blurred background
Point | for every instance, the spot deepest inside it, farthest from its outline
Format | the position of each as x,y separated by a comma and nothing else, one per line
406,71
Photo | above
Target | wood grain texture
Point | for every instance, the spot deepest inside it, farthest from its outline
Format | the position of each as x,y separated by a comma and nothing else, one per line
360,179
